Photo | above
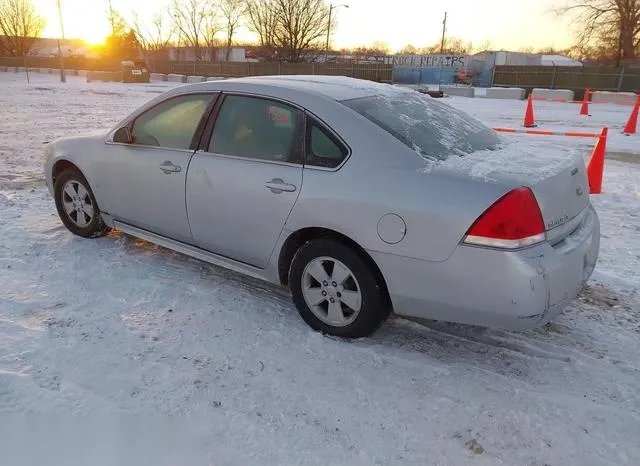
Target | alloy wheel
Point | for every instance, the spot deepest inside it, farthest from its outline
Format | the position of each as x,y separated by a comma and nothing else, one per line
331,291
77,203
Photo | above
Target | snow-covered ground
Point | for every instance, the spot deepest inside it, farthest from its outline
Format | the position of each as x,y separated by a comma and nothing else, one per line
202,366
557,116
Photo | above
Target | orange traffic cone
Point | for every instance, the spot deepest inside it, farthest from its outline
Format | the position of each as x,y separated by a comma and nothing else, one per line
584,108
632,124
595,165
529,119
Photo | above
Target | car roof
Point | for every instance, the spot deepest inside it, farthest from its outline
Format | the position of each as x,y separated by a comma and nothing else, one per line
337,88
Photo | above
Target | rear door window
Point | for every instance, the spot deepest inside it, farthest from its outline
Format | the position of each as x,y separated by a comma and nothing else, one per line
256,128
322,148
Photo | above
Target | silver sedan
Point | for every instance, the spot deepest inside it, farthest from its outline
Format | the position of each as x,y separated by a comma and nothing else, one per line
360,198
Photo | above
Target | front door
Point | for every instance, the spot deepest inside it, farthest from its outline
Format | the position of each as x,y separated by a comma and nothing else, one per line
143,183
241,190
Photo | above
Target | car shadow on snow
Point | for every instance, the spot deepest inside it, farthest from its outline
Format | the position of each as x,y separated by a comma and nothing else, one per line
583,332
509,353
170,263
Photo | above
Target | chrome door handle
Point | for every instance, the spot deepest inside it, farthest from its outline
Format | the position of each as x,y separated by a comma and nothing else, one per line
277,186
167,167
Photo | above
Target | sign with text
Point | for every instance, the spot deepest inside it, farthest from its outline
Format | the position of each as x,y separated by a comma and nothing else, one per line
432,61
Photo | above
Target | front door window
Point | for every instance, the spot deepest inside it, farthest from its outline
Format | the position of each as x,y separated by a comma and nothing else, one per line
172,123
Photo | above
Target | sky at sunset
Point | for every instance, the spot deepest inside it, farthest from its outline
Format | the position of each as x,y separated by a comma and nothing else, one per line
509,24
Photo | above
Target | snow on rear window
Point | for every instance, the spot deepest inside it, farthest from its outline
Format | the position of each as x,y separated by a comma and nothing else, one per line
431,128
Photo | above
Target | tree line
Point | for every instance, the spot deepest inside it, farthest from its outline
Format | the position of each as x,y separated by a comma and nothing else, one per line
290,28
285,29
606,30
294,30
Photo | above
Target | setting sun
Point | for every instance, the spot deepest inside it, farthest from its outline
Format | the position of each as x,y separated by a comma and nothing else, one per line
86,20
93,35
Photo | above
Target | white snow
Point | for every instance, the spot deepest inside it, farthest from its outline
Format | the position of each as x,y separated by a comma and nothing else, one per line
114,351
556,116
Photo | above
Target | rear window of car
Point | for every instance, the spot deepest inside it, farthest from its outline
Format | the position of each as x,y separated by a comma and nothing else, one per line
431,128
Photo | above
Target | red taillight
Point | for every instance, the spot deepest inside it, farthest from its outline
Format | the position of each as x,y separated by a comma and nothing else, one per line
513,221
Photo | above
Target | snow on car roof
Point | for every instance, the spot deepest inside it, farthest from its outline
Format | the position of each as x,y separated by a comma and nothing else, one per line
335,87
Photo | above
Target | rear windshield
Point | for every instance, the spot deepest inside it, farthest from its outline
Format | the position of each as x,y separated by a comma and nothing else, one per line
431,128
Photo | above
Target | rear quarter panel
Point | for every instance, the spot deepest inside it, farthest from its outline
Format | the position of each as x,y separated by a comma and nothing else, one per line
383,176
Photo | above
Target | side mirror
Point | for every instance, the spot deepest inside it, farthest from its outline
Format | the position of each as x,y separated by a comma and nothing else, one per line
123,135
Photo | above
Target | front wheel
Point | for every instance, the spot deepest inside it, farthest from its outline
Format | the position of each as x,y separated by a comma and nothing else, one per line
335,291
77,206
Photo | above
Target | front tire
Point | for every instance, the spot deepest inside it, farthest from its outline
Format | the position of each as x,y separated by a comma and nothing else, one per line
335,290
77,206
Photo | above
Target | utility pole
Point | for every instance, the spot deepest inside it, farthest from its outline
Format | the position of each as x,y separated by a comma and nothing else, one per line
326,47
444,28
63,78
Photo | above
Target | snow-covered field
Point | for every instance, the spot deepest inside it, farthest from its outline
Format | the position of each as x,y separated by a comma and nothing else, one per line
202,366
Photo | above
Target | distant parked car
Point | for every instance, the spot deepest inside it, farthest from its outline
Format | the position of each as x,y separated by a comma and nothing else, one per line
135,71
347,192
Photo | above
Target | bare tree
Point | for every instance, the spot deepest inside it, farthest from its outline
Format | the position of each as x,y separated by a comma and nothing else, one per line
483,46
452,46
614,24
591,53
297,27
301,25
117,21
156,35
380,48
262,20
212,26
232,13
123,42
552,51
192,20
21,25
376,49
408,50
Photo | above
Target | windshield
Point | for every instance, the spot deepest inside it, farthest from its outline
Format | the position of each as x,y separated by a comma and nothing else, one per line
431,128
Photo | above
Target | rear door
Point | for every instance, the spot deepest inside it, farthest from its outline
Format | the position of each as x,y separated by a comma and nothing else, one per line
242,186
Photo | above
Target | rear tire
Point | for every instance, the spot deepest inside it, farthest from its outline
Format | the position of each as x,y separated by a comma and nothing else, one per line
335,290
77,206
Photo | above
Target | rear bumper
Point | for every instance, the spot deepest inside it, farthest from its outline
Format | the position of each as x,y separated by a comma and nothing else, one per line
491,288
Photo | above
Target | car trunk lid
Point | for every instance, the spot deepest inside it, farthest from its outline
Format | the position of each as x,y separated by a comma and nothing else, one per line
563,196
556,175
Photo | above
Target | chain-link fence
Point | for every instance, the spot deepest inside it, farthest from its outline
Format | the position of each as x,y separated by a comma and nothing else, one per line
576,78
371,71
